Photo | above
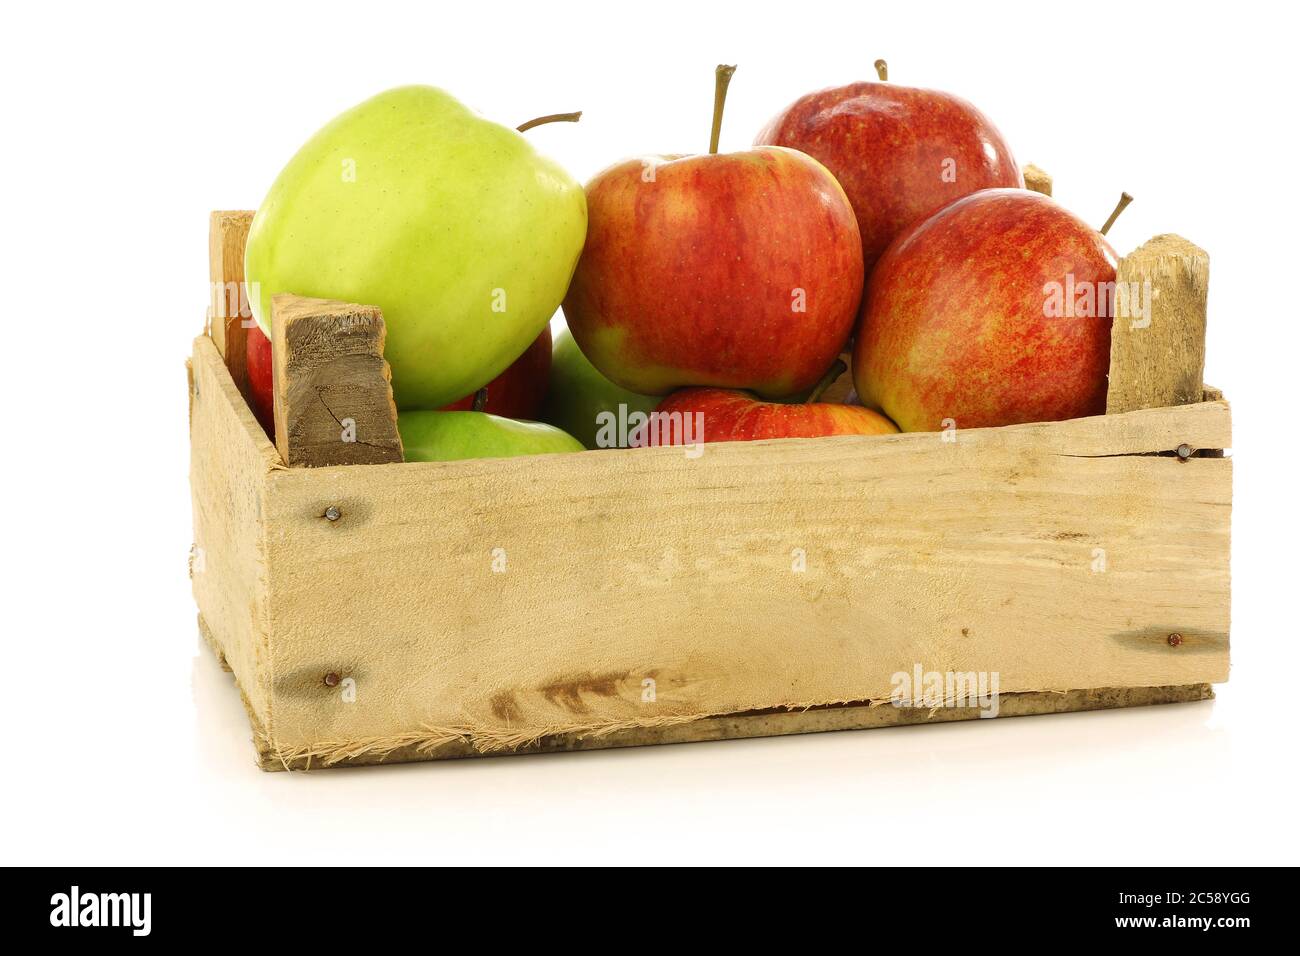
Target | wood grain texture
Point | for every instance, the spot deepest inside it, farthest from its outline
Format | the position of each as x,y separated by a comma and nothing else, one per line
768,723
228,313
759,724
333,392
501,602
230,458
1037,179
1157,353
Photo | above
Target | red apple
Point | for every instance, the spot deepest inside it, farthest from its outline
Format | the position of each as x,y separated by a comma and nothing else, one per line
740,270
261,387
900,153
519,390
730,415
993,311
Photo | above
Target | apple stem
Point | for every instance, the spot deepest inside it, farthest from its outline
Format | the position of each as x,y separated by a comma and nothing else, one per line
827,380
550,118
721,80
882,70
480,399
1124,200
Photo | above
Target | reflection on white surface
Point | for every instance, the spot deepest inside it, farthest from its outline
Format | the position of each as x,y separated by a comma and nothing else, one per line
924,794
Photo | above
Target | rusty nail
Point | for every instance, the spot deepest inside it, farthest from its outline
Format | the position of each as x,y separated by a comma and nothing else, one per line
1175,640
1184,452
331,679
332,513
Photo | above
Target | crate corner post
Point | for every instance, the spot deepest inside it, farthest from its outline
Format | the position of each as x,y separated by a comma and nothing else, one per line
228,312
333,392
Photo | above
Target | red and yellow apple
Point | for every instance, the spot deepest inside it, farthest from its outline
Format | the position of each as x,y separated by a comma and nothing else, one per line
995,310
519,390
900,153
739,270
731,415
261,385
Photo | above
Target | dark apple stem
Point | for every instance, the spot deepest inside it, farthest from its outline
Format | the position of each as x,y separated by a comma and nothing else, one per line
550,118
721,80
480,399
827,380
1124,200
882,70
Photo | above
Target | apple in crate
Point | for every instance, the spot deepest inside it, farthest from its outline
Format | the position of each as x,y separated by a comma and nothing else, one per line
519,390
453,225
993,311
261,383
900,153
452,436
740,270
578,395
730,415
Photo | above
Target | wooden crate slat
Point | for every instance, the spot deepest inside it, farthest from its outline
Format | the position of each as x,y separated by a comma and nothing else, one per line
227,312
333,392
759,724
1037,179
1157,354
230,458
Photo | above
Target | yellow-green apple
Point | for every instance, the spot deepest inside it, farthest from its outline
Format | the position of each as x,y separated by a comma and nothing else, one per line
993,311
740,270
518,391
260,386
579,399
900,153
450,223
451,436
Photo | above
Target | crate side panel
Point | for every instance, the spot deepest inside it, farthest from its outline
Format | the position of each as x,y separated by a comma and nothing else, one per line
506,601
230,458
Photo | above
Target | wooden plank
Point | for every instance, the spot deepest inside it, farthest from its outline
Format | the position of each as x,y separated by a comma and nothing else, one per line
1037,179
229,315
1157,350
503,602
759,724
229,460
333,391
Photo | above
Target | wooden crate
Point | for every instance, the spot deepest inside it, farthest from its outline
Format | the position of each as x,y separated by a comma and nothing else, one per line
622,597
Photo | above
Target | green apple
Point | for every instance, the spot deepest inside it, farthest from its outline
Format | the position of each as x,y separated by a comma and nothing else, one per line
578,393
450,223
451,436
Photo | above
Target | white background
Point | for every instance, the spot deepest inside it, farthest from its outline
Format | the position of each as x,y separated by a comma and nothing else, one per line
123,127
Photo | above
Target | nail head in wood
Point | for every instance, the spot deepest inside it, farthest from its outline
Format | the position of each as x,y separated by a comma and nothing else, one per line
1184,452
332,513
331,679
1175,640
